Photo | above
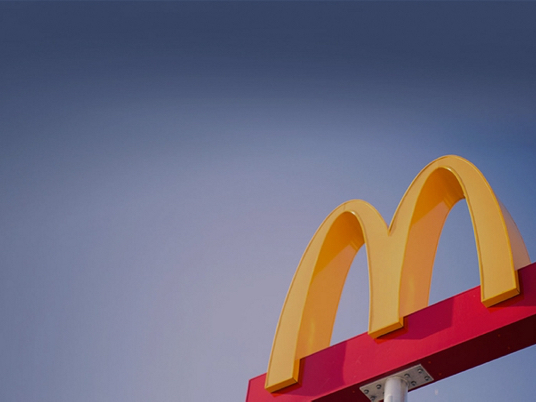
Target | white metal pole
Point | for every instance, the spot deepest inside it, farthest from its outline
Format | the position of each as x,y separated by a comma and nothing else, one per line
396,390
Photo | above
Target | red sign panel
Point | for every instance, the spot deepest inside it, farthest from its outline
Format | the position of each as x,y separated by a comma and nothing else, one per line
446,338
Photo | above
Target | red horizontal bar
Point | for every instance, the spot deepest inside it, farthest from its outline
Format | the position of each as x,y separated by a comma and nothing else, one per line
447,338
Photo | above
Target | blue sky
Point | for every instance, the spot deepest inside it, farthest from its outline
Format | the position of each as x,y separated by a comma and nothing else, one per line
164,165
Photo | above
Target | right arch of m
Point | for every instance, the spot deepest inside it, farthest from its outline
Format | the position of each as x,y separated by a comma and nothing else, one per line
400,261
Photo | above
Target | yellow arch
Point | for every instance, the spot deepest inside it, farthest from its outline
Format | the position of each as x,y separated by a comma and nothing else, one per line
400,261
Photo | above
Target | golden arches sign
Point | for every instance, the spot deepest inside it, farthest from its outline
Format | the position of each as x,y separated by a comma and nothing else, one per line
400,261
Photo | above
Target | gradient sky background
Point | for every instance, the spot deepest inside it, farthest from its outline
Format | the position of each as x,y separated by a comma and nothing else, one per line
164,165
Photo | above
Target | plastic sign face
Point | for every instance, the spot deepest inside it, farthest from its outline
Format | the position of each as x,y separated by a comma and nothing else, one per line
400,261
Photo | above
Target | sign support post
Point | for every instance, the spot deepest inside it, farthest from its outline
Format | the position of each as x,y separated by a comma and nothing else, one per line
396,390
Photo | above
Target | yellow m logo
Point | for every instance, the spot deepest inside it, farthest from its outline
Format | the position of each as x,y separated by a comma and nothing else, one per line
400,261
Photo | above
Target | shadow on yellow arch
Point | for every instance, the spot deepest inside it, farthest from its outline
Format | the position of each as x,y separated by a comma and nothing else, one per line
400,261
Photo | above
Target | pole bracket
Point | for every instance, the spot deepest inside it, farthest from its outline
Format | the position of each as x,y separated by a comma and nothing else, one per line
415,376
